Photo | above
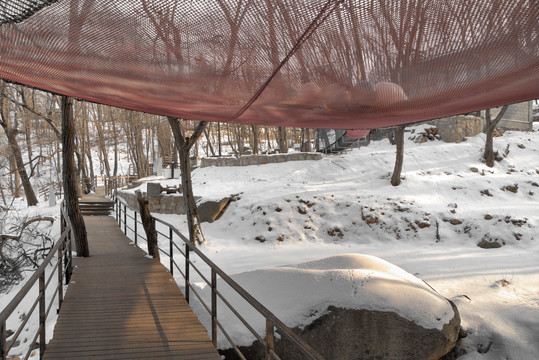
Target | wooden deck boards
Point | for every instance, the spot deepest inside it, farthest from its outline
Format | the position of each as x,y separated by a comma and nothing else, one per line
122,305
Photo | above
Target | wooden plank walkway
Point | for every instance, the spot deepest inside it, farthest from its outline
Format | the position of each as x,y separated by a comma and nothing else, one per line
122,305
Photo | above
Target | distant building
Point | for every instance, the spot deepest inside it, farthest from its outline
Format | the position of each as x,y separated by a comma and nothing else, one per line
517,117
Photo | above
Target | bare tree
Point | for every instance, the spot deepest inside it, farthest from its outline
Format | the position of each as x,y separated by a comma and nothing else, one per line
399,139
11,134
184,144
70,178
490,126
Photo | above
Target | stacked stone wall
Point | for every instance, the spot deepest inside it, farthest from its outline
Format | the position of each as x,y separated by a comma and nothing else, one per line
259,159
164,204
458,128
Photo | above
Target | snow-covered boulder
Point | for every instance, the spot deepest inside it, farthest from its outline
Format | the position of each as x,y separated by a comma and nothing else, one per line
349,307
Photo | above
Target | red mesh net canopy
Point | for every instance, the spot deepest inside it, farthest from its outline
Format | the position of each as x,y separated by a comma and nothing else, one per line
352,64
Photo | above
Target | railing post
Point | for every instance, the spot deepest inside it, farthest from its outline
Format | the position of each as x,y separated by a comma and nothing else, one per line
270,340
62,224
60,278
125,219
214,307
3,345
187,273
69,270
42,314
170,234
135,228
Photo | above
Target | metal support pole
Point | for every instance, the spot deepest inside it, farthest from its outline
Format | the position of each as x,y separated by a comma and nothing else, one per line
214,307
60,279
187,273
42,318
170,235
135,228
69,270
125,219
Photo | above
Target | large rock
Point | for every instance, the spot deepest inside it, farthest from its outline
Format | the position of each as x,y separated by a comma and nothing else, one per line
347,334
209,211
348,307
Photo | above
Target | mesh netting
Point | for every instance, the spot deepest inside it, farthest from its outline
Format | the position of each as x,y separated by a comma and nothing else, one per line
15,11
352,64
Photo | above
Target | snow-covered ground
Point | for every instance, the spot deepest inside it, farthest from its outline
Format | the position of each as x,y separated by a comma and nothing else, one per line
430,225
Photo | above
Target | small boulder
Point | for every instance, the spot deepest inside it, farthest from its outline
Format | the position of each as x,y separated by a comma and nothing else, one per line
511,188
485,244
209,211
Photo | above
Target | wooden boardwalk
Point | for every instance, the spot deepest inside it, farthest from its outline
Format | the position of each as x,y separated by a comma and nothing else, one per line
122,305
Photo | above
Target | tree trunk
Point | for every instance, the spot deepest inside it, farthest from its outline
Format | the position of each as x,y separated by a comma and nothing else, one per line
399,138
27,121
208,139
149,225
283,146
490,126
254,129
184,144
11,134
268,138
489,143
16,183
70,178
219,138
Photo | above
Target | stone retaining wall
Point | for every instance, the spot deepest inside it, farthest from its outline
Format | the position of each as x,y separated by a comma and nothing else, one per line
457,128
259,159
164,204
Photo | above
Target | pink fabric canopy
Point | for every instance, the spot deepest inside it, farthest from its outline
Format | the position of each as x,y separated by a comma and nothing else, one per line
351,64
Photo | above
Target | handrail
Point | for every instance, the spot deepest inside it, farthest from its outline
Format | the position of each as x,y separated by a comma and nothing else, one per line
272,321
62,248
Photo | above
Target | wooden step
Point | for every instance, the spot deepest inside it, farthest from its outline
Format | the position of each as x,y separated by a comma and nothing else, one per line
96,208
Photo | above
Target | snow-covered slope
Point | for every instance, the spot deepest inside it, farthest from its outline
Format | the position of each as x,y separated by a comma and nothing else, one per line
430,225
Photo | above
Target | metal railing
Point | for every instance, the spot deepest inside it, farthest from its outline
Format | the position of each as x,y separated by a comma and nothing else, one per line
62,248
273,324
111,183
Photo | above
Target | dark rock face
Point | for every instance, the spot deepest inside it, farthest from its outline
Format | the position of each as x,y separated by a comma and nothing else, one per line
489,244
344,334
209,211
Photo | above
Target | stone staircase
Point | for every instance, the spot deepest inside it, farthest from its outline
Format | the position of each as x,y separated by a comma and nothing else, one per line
96,208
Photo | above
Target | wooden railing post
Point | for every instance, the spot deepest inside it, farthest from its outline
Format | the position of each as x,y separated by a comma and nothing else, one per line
42,318
136,227
187,272
3,345
270,339
214,307
171,251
